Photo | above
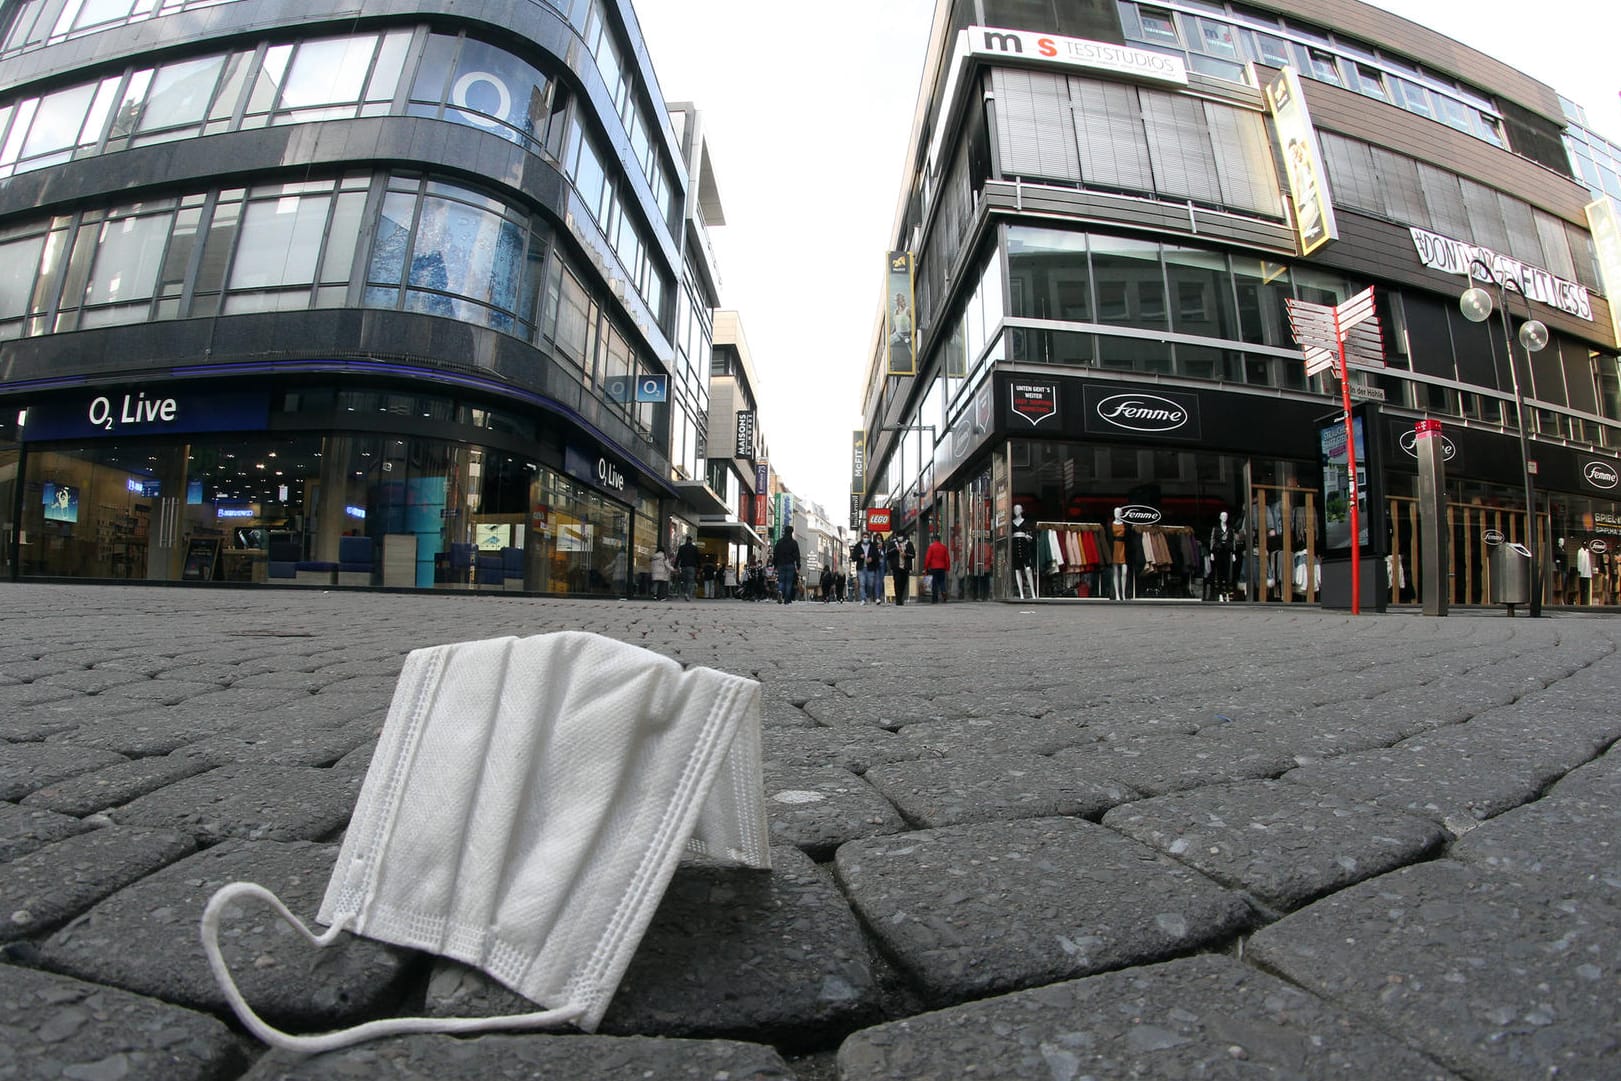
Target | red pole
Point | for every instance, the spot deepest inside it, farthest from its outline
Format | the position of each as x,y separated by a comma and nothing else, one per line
1350,465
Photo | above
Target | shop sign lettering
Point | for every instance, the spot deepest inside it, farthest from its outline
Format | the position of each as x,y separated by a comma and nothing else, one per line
1456,257
1142,412
1136,514
1035,402
1492,537
1409,446
138,409
1600,475
609,476
1598,547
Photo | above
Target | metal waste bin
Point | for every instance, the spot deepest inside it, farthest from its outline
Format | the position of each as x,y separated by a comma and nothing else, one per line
1511,575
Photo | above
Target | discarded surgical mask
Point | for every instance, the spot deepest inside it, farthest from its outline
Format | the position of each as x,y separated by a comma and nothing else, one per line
525,808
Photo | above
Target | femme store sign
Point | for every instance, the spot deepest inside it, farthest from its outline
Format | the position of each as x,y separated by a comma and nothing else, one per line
145,411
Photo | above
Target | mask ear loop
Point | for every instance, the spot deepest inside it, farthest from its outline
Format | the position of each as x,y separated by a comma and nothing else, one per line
331,1041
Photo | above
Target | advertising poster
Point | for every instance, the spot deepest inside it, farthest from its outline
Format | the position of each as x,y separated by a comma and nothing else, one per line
1314,214
899,322
61,503
1337,487
858,462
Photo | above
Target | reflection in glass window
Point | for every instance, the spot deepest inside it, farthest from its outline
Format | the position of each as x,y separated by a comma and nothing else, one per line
19,259
56,126
1369,81
1218,38
124,273
279,243
325,78
1131,289
1159,25
178,99
1412,97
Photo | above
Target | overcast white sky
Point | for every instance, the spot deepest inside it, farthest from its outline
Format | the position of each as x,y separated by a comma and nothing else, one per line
808,112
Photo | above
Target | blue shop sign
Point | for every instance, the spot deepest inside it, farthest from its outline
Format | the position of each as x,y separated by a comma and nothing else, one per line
138,412
599,471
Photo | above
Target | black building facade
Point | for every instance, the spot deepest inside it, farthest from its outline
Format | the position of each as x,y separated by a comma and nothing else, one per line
1107,222
390,297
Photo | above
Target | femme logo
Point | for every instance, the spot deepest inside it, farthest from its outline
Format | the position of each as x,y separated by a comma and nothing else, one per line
1142,412
1137,514
1600,475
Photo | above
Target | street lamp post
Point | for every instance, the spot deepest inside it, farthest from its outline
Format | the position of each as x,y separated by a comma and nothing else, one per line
1476,305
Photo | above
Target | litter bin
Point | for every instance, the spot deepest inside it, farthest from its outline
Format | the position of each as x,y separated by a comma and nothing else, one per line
1511,575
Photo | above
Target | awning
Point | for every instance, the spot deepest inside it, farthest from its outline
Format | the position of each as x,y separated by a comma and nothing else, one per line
731,528
701,498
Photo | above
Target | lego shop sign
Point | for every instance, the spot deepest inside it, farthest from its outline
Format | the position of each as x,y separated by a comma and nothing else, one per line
879,520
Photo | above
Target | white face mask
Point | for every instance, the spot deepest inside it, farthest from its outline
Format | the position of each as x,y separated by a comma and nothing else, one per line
527,804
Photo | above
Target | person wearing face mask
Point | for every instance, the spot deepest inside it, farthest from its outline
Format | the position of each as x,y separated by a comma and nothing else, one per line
867,557
900,557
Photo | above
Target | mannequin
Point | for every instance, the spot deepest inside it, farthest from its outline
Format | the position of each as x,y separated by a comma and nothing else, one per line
1122,569
1023,552
1223,549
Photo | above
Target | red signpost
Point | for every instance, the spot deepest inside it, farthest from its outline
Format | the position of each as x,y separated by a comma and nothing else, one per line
1340,333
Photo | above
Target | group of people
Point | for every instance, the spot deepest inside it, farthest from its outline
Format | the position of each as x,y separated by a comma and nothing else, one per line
873,558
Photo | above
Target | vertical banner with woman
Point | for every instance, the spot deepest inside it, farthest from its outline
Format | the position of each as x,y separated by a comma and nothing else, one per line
899,322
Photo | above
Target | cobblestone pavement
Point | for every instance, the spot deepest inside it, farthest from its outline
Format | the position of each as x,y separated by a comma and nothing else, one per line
1009,842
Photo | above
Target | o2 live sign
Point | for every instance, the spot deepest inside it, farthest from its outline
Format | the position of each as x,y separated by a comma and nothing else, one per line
144,412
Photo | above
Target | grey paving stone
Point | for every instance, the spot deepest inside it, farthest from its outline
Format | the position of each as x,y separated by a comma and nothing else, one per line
254,802
979,703
817,810
1158,765
993,788
51,885
278,743
772,956
17,697
1204,1017
797,691
23,829
116,784
878,711
528,1058
1282,844
1495,980
145,939
28,767
854,749
1567,838
996,735
56,1027
1446,782
968,911
91,680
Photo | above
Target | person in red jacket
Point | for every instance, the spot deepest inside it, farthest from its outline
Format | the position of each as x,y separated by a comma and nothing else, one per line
937,560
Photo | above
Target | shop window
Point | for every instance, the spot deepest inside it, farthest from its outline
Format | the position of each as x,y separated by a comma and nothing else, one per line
1369,81
1159,25
1218,38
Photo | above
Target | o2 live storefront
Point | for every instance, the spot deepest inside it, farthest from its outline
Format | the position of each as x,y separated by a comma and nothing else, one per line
1071,487
318,484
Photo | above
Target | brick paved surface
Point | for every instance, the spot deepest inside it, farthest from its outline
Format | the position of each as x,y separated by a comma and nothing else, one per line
1010,842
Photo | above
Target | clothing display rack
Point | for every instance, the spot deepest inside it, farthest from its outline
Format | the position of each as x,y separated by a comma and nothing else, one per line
1170,561
1070,558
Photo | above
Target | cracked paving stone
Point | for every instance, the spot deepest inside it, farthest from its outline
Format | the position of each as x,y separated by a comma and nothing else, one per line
24,829
993,788
968,911
1204,1017
819,809
1159,765
1276,841
530,1058
877,711
854,749
1496,980
145,939
254,802
996,735
51,885
57,1027
28,767
1568,838
769,956
117,784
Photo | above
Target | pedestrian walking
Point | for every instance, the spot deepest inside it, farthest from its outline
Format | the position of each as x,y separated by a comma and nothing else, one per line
786,556
731,581
686,561
937,561
900,556
868,558
659,571
827,584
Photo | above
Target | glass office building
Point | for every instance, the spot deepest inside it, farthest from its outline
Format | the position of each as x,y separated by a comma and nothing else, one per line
398,299
1109,210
